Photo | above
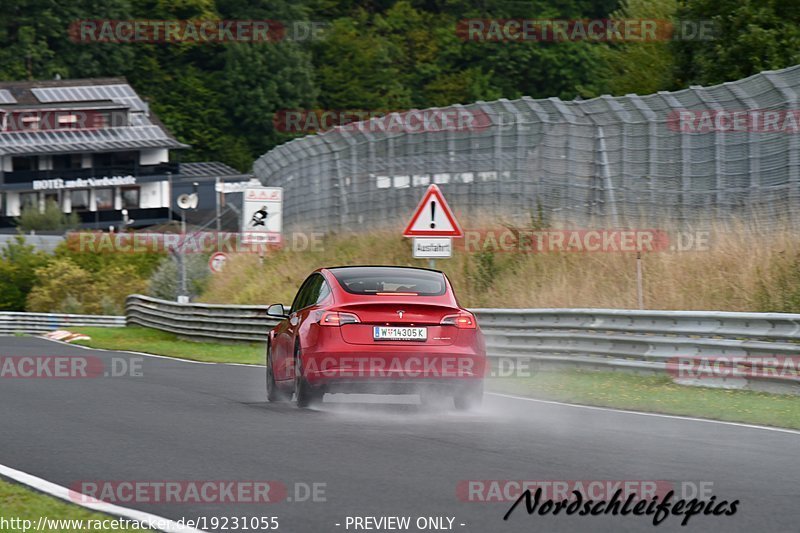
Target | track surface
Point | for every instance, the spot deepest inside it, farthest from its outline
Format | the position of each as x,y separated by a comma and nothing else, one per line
183,421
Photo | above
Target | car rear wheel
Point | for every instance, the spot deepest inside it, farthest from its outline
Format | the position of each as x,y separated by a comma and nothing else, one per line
305,394
469,398
274,393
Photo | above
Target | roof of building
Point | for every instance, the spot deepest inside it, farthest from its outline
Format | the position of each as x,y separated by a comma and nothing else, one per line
211,169
143,131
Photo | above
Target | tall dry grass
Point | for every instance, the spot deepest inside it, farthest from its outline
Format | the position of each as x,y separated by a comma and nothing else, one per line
742,270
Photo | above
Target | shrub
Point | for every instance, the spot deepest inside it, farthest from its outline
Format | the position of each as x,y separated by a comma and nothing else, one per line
63,286
18,263
51,219
165,283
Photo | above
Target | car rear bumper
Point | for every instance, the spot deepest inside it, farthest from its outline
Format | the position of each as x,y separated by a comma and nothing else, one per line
399,369
394,386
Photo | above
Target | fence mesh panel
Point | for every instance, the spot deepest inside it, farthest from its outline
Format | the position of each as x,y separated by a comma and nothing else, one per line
620,161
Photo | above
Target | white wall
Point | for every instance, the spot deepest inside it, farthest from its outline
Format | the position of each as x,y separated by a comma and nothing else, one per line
66,201
153,156
12,204
153,194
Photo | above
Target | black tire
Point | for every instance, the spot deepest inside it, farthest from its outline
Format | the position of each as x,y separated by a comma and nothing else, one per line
304,394
469,398
274,393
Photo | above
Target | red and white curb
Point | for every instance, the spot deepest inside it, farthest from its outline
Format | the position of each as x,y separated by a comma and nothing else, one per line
66,336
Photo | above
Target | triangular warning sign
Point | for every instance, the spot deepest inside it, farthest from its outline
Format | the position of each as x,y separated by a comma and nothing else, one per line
433,217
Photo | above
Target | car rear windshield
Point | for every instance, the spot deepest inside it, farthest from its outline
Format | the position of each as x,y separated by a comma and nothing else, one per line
388,280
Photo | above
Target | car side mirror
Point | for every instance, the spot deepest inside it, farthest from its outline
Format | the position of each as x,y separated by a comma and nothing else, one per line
277,311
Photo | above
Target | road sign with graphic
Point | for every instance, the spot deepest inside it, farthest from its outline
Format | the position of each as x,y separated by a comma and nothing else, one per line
262,214
216,262
433,217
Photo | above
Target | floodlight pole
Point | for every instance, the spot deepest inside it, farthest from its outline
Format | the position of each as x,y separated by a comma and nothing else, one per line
183,293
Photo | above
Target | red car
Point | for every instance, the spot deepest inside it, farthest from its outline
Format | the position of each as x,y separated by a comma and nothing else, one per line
375,329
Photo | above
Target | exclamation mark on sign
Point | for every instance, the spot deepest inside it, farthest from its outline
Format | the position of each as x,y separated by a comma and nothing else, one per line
433,214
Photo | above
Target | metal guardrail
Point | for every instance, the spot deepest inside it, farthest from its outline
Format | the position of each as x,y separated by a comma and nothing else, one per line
611,339
11,323
208,322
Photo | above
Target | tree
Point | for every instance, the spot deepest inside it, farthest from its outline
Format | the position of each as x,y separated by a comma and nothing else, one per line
260,80
634,67
749,36
18,263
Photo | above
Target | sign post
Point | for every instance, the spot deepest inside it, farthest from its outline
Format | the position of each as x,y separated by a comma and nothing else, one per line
432,227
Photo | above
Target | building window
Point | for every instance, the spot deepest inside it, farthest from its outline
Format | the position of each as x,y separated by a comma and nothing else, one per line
130,197
101,119
67,122
79,199
24,163
66,161
30,123
104,198
125,160
29,200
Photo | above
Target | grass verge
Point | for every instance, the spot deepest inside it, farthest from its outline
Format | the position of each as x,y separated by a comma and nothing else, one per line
656,394
18,502
140,339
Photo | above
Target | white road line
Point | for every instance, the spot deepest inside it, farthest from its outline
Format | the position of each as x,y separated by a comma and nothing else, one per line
642,413
553,402
42,485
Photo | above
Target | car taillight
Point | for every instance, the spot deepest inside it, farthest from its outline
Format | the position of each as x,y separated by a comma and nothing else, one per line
336,318
461,320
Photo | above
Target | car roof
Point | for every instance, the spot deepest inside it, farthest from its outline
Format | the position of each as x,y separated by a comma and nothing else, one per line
379,266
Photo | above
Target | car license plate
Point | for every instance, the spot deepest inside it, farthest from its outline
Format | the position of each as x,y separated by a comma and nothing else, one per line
394,333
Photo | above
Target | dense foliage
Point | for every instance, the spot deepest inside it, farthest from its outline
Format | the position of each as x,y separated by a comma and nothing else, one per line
71,281
380,55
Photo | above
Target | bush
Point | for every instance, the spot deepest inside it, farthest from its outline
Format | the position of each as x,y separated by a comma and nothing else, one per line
165,282
18,263
52,219
144,264
63,286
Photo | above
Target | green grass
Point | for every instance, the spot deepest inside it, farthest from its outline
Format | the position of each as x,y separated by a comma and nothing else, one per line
139,339
17,501
656,394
